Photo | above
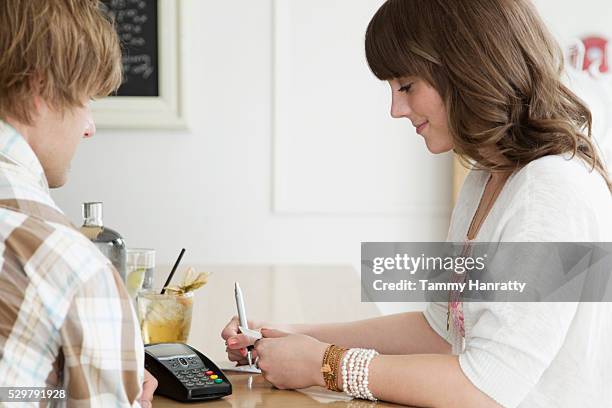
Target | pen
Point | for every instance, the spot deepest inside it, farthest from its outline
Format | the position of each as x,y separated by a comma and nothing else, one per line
242,317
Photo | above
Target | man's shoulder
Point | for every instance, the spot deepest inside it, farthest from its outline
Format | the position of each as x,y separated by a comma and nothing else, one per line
48,262
44,245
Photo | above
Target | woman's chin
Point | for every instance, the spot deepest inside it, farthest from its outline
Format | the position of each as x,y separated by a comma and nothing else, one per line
437,148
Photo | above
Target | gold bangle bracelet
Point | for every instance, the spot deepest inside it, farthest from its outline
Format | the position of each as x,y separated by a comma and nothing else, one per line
331,361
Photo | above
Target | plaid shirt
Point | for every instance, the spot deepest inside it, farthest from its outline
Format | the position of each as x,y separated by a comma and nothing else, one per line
65,317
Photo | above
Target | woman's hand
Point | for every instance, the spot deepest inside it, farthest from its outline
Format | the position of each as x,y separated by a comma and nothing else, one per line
237,343
290,361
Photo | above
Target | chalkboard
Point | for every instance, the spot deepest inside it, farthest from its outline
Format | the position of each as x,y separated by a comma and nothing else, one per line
137,26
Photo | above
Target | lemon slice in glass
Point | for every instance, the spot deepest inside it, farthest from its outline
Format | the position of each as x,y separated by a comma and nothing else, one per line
135,280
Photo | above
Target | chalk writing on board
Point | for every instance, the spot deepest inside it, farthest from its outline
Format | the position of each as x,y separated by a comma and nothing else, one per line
136,24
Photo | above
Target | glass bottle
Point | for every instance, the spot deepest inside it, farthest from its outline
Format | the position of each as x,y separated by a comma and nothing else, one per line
109,241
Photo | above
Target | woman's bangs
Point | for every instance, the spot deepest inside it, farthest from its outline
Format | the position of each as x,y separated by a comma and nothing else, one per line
388,51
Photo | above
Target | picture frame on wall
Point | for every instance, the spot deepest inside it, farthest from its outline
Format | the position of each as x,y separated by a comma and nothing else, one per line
150,95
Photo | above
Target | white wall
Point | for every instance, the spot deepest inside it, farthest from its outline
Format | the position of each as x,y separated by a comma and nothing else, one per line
238,186
569,19
211,189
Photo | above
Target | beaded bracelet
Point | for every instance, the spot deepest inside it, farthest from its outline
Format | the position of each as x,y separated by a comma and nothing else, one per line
355,370
367,394
344,368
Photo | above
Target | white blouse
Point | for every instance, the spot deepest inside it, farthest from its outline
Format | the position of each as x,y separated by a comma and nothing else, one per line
536,354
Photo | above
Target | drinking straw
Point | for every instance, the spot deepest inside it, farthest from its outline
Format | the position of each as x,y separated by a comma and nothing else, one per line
176,264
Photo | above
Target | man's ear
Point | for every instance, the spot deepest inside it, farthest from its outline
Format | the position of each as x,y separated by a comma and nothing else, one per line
36,85
38,103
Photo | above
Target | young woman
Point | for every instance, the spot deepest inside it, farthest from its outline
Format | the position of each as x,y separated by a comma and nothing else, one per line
482,78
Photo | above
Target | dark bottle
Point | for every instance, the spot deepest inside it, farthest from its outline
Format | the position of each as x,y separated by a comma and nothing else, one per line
109,241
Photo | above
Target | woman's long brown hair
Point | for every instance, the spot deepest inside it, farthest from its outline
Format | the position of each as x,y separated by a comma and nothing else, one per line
499,72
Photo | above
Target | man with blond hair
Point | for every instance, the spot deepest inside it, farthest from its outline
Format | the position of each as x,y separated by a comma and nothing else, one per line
66,321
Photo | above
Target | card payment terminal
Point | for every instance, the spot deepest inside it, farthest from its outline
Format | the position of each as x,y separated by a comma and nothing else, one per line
184,374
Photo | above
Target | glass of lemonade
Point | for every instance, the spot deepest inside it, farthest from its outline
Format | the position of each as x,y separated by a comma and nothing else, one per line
165,318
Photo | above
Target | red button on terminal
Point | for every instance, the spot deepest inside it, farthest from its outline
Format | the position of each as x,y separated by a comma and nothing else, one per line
209,372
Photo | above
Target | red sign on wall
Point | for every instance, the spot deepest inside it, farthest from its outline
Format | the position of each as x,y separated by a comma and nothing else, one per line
595,52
